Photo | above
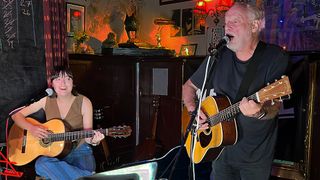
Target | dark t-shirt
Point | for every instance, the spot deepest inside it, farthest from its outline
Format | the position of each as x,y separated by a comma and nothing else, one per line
256,138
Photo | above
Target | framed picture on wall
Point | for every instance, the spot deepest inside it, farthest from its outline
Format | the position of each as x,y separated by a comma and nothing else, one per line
199,25
75,18
176,17
187,23
164,2
188,49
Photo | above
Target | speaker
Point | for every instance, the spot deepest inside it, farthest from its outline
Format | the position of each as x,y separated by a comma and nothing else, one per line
111,177
132,172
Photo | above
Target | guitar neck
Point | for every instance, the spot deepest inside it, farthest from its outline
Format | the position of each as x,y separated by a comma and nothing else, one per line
228,113
75,135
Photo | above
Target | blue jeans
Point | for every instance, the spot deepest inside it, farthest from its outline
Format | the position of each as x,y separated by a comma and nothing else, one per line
79,162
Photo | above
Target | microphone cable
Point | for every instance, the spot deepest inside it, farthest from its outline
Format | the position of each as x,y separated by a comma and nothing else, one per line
200,98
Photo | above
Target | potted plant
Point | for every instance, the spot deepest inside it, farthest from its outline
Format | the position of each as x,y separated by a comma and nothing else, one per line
80,43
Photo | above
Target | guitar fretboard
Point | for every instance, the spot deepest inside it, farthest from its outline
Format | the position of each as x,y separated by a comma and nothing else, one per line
73,135
228,113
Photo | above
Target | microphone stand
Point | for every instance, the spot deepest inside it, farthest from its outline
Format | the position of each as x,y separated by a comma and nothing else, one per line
192,122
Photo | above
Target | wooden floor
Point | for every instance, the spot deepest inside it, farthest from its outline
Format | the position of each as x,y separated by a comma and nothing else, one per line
115,161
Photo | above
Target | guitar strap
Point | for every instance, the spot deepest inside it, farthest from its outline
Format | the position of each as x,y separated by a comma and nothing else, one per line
250,72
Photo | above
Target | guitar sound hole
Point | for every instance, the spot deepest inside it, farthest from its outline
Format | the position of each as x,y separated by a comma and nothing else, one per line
207,131
205,138
46,142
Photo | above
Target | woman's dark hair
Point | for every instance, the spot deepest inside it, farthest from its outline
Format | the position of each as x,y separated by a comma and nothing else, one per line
60,70
57,70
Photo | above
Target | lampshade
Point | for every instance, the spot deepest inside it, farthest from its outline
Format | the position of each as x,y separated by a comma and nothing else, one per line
201,8
211,7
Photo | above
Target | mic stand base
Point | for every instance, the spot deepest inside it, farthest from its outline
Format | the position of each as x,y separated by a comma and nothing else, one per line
193,140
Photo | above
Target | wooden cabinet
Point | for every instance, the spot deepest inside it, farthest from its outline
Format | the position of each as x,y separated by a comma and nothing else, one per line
125,89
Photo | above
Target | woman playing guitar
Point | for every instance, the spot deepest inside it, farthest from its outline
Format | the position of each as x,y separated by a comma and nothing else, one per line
76,110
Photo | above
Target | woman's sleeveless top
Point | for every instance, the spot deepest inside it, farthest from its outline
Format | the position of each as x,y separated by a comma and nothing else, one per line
74,116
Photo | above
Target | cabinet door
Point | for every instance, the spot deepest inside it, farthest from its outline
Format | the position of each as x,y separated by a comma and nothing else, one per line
162,80
110,87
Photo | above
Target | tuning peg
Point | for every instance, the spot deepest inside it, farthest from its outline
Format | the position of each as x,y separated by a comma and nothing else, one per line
275,80
280,99
268,84
283,76
272,102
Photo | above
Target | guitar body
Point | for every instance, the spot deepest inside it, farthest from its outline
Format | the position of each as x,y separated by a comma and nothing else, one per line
148,148
209,143
23,147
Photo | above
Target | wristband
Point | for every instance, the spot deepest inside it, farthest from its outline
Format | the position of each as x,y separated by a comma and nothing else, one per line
93,144
261,114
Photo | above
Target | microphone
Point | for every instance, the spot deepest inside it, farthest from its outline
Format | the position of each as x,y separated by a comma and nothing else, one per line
224,41
47,92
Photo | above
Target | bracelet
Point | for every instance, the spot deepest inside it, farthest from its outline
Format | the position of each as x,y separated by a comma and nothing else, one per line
93,144
261,114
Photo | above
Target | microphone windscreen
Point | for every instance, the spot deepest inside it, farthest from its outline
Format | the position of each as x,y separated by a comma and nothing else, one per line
226,38
49,91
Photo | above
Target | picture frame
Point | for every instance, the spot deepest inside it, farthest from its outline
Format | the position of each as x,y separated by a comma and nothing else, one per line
75,18
188,49
175,31
187,23
164,2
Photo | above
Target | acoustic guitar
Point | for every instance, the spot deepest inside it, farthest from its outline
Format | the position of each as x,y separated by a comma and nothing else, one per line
148,148
23,147
209,143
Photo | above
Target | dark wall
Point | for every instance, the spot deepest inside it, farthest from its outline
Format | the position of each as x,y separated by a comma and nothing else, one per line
22,63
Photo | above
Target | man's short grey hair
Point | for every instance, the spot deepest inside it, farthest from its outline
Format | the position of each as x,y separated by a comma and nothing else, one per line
254,13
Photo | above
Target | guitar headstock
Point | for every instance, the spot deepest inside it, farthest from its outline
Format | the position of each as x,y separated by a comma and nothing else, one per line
98,114
119,131
275,90
156,101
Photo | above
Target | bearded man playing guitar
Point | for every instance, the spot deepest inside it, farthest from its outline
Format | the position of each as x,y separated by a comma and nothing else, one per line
250,154
75,109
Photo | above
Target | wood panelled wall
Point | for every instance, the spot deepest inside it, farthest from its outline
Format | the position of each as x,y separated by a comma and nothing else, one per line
119,85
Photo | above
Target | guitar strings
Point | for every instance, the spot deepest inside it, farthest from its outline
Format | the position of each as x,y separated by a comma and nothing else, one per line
227,113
